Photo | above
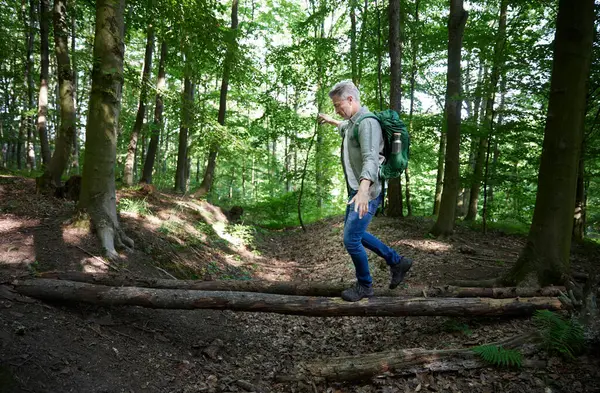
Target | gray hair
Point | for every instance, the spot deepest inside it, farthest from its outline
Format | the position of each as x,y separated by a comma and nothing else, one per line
344,89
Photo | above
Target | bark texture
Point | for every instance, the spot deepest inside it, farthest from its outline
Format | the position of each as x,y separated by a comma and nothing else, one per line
98,184
400,362
395,208
549,241
182,150
157,123
302,288
456,25
141,112
71,291
66,130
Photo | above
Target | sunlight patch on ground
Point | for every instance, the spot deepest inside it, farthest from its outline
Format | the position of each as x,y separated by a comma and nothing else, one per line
93,265
426,245
8,224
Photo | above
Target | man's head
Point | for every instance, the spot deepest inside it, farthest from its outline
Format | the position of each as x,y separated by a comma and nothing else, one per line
346,99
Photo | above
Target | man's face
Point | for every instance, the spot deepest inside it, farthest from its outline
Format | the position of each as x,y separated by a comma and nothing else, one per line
343,107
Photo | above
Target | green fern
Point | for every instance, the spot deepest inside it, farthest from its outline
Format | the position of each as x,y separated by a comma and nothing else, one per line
498,356
565,337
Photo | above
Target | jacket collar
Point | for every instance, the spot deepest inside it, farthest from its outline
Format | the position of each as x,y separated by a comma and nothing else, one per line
361,112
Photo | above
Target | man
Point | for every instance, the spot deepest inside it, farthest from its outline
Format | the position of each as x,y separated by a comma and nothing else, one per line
360,160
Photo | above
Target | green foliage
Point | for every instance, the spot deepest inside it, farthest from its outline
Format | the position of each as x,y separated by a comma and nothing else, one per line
499,356
245,233
560,336
136,206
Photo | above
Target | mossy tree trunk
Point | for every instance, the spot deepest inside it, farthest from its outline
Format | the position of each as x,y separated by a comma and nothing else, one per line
66,131
98,197
444,225
549,243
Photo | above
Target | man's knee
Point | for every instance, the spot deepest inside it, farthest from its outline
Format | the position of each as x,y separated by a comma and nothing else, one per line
352,242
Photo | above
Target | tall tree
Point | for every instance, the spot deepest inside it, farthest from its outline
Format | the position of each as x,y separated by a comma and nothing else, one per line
29,72
98,196
75,154
43,95
186,119
353,54
141,112
456,25
64,135
497,65
549,242
209,174
395,47
157,123
414,46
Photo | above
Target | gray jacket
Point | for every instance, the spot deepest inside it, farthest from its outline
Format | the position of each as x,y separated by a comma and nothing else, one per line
361,158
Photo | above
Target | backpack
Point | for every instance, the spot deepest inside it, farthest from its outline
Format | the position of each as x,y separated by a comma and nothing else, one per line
396,140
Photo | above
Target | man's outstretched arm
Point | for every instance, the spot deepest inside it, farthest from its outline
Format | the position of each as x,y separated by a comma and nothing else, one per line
323,118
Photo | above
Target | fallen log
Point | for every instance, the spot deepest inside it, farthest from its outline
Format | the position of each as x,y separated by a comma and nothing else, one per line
60,290
399,363
301,288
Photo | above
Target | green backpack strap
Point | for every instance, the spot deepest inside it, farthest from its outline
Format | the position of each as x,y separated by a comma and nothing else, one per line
368,115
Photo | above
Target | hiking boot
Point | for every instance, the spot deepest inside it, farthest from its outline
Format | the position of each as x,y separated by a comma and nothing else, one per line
399,271
357,292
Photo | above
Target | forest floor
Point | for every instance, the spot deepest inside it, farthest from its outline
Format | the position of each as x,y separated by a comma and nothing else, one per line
56,348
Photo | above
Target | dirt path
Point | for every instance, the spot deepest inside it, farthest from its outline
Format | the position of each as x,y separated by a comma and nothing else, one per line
81,348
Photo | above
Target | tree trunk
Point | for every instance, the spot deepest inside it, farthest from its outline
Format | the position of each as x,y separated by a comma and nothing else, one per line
98,181
394,208
456,25
30,87
549,241
53,290
353,54
379,59
157,123
413,77
182,149
400,362
439,181
302,288
75,159
361,43
128,175
209,174
578,217
64,135
489,113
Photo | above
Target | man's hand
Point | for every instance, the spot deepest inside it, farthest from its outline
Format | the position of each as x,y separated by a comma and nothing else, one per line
323,118
361,199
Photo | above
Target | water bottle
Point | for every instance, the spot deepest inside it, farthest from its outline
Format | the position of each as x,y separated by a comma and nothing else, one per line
396,143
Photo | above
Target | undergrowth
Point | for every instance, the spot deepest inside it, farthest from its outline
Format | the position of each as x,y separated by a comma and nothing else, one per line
559,336
499,356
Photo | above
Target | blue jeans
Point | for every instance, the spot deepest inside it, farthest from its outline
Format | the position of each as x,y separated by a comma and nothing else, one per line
356,238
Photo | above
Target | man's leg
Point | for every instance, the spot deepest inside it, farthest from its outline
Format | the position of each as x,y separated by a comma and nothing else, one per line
354,229
398,264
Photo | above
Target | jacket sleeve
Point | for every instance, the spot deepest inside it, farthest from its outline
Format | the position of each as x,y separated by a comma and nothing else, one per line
369,138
